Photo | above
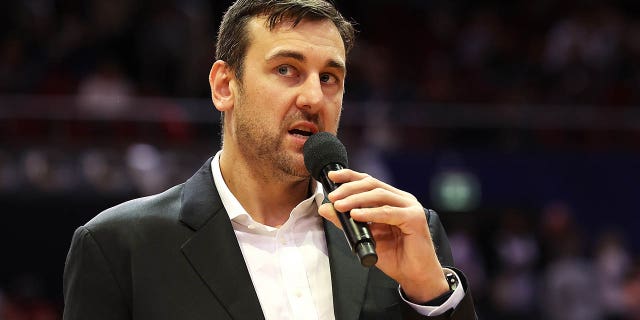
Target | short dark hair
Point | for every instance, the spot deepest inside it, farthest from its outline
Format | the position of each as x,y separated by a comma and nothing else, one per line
233,39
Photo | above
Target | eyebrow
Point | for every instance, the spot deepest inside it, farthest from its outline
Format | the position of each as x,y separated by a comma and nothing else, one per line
332,63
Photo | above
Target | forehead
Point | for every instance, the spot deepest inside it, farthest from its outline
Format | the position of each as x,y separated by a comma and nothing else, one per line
316,36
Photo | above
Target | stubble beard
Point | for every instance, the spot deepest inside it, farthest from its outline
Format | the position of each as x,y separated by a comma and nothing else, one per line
262,145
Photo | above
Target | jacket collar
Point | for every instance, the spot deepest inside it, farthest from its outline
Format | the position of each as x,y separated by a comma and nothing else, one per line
200,199
213,250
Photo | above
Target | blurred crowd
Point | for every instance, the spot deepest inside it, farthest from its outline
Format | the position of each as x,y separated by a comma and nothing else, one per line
535,52
541,265
106,57
541,52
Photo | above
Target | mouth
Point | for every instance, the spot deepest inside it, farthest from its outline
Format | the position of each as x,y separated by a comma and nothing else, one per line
300,133
303,130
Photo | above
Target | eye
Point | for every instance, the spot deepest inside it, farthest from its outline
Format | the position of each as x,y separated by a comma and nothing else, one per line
286,70
328,78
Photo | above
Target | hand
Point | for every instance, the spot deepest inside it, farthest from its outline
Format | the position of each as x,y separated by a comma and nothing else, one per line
399,226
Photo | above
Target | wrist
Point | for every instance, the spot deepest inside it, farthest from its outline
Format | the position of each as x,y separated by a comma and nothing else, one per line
421,293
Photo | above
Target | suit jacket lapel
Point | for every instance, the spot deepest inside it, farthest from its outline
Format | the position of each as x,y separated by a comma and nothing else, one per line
348,277
213,250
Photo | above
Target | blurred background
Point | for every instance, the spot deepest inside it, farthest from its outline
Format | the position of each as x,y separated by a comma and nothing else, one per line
519,122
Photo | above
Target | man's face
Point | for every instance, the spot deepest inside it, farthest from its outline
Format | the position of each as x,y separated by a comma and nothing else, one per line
292,87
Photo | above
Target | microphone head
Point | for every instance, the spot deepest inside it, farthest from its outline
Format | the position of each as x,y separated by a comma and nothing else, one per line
322,149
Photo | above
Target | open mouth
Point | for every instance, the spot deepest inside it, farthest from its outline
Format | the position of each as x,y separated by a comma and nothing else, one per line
299,132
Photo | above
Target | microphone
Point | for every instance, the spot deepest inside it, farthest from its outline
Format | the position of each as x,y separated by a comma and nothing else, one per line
323,152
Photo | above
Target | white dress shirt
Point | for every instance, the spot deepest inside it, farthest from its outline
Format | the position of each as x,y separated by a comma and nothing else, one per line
289,265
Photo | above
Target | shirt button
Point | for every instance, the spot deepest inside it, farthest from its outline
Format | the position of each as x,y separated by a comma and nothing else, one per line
251,226
298,294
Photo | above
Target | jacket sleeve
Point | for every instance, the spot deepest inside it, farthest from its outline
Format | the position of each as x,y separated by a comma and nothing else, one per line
465,310
439,238
91,290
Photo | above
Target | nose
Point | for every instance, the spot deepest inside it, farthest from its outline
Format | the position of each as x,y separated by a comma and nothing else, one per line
310,96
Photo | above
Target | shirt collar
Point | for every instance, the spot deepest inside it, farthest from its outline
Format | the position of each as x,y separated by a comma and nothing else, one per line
234,209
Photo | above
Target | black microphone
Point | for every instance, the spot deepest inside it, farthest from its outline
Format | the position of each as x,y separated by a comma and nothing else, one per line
323,152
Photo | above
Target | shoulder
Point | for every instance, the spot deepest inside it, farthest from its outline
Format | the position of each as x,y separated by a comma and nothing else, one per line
140,211
134,228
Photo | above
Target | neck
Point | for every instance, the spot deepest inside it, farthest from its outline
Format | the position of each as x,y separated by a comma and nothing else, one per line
268,198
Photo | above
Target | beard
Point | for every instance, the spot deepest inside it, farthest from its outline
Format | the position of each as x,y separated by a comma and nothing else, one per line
263,144
265,149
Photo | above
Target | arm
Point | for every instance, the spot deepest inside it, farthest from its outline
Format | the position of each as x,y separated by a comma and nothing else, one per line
409,247
91,290
463,307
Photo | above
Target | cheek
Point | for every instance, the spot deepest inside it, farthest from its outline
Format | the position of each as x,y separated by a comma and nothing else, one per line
268,96
268,109
335,112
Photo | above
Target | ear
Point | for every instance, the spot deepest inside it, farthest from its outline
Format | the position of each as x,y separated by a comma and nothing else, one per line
220,80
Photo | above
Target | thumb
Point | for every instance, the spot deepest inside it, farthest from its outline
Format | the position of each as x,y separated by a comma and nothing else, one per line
327,211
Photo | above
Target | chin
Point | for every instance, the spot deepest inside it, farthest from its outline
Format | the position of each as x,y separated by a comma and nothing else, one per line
301,173
294,167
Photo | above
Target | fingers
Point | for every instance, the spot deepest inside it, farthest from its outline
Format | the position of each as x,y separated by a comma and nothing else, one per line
371,200
356,182
380,220
395,216
327,211
359,190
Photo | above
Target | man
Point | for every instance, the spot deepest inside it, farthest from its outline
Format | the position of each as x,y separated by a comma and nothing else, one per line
242,238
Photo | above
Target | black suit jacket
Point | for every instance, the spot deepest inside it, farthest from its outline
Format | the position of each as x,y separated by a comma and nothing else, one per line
175,256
